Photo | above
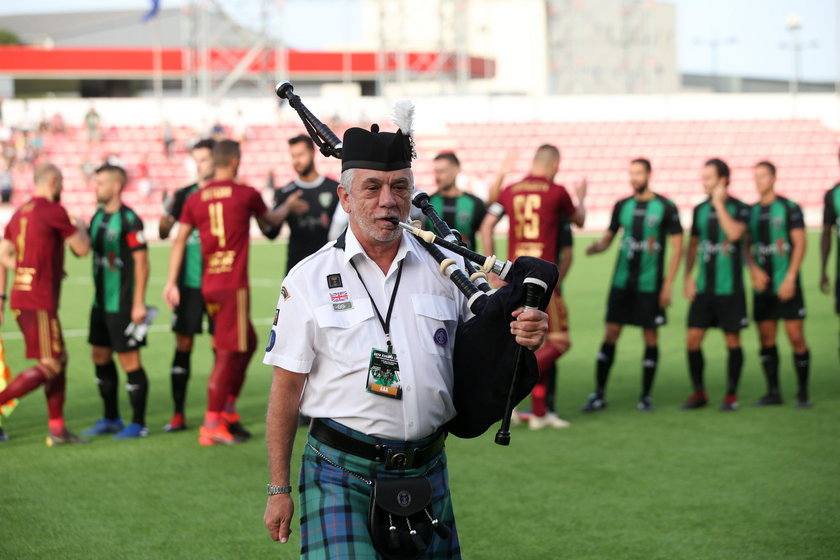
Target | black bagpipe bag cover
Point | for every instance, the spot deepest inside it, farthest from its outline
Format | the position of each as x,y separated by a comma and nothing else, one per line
485,351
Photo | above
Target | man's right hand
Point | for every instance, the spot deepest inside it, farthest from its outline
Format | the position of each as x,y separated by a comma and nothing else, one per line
760,279
172,295
278,516
825,283
594,249
690,289
580,190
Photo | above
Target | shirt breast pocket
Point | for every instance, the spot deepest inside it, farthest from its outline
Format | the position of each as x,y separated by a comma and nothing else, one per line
437,319
345,337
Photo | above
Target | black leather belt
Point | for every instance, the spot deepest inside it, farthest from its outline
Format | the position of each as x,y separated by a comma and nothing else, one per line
392,458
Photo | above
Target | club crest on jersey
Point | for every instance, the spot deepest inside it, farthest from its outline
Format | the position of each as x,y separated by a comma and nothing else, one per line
334,281
777,222
325,199
652,221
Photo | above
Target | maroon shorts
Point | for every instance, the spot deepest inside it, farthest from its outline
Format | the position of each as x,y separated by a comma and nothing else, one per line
42,333
558,314
230,312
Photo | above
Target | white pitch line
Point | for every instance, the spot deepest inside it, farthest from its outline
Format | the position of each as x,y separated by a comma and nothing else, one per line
77,333
255,282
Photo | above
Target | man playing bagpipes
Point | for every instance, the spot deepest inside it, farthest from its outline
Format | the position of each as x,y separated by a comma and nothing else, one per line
364,342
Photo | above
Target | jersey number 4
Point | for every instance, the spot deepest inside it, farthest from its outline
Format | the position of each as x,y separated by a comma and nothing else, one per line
525,208
217,222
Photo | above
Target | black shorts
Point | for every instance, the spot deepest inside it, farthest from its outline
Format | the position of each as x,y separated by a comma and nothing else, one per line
187,317
768,307
837,296
629,307
108,330
729,313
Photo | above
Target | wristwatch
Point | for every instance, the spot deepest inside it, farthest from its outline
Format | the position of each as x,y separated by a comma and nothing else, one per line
274,490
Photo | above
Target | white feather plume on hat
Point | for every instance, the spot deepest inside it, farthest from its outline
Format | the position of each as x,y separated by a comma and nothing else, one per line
403,117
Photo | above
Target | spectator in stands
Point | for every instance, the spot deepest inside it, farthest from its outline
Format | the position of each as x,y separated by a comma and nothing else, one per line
6,182
240,128
57,124
168,139
92,126
144,181
217,131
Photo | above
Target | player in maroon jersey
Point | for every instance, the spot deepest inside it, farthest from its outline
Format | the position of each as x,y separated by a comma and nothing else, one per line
221,212
535,206
33,247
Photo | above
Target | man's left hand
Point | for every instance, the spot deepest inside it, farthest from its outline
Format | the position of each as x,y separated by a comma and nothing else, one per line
529,328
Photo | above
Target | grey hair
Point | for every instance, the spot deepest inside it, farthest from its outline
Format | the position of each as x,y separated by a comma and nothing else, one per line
348,175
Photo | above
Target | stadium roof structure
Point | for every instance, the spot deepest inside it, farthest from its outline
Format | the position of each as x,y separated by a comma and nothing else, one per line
120,62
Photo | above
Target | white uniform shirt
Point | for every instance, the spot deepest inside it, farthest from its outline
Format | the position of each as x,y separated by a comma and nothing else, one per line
313,335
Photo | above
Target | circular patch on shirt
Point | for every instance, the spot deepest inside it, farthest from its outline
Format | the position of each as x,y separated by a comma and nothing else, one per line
272,338
441,338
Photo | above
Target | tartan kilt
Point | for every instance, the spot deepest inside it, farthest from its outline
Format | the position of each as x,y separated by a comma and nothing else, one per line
334,504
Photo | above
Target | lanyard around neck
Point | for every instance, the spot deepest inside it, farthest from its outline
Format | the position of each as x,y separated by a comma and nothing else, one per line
386,323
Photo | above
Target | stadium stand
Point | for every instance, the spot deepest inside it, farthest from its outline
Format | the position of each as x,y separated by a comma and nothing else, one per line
805,151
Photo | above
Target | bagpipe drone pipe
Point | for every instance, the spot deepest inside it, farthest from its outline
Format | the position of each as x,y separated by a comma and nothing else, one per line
492,373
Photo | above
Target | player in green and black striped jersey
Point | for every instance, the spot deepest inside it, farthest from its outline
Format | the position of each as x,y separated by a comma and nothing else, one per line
717,294
120,275
831,220
777,249
460,210
188,315
639,294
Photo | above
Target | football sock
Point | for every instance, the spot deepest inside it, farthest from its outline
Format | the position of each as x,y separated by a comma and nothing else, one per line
550,388
54,390
770,363
802,362
604,362
138,392
25,382
538,397
106,379
240,365
734,365
180,375
546,356
695,369
649,363
218,387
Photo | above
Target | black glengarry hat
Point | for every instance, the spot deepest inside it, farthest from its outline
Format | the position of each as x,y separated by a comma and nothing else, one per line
381,151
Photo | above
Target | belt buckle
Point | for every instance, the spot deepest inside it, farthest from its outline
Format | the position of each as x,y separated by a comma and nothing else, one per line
400,459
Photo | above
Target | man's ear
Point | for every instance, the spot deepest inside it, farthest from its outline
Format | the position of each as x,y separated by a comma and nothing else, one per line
343,198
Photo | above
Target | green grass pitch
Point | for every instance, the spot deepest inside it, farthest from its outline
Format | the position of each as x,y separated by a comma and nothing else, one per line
621,484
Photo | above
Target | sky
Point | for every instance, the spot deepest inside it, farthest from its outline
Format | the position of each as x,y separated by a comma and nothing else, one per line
751,32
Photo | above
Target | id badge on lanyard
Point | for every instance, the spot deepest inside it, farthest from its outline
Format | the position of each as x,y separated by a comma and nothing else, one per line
383,376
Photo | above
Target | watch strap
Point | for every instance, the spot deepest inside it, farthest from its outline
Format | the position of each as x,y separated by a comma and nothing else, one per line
274,490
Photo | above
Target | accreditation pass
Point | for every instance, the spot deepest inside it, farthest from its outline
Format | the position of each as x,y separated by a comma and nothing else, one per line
384,374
